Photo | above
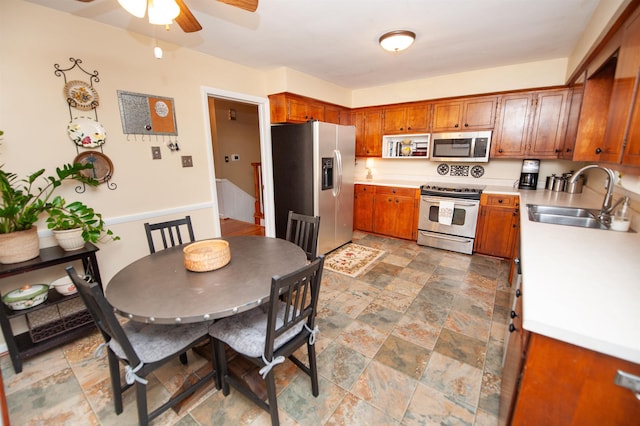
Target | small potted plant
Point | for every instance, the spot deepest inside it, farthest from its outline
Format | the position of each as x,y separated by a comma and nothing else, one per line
22,202
74,223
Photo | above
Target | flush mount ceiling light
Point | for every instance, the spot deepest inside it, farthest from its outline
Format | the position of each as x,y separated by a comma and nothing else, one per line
161,12
395,41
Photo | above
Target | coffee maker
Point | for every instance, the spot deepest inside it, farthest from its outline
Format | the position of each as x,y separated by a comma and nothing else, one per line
529,174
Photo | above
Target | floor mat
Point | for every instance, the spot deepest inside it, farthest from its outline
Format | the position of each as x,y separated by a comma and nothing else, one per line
351,259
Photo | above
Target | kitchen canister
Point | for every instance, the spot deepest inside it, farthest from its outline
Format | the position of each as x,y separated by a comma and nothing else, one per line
551,180
559,184
574,187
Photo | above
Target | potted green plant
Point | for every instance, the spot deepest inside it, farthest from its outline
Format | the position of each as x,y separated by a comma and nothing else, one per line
21,204
74,223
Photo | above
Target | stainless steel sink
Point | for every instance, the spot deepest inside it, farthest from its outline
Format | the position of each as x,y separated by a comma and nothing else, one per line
568,216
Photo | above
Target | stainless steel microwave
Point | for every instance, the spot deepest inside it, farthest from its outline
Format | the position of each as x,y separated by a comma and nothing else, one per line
461,146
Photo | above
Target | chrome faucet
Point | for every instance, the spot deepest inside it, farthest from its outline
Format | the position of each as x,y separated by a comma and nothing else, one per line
607,203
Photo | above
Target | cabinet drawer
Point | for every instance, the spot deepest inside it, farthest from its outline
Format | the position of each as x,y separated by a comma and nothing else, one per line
391,190
499,200
364,189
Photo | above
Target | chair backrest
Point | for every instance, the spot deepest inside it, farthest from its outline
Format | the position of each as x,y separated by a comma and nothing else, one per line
102,313
302,230
301,290
171,232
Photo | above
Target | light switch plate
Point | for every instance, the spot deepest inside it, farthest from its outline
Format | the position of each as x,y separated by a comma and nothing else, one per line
155,153
187,161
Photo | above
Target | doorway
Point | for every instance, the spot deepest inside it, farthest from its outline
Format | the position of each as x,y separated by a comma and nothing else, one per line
239,135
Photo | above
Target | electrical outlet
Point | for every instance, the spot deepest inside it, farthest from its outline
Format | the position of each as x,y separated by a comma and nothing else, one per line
155,153
187,161
226,158
235,157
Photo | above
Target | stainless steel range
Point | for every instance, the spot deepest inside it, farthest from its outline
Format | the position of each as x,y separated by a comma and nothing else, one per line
448,216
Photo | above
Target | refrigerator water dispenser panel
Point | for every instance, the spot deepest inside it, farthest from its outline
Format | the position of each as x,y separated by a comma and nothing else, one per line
327,173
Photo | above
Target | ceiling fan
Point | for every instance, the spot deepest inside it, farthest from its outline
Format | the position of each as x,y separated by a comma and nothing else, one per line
190,24
185,18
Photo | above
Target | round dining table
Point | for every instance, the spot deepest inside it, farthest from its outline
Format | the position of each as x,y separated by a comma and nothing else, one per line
159,289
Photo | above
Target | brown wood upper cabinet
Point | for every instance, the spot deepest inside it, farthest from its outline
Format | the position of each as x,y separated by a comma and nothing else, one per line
413,118
368,122
464,114
531,124
292,108
573,118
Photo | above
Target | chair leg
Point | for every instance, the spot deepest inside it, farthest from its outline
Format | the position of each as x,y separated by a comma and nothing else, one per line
272,398
313,369
183,358
116,386
216,363
221,365
141,401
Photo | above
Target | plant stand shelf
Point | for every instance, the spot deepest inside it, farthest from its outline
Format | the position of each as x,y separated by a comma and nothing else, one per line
60,319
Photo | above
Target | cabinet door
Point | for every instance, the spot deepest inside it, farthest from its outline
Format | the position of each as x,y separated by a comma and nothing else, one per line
573,119
497,225
384,214
404,211
512,127
418,117
363,207
446,116
479,113
373,133
357,118
549,124
567,384
394,120
594,113
332,114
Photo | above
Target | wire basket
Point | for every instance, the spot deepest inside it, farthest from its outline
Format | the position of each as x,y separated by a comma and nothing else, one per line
54,320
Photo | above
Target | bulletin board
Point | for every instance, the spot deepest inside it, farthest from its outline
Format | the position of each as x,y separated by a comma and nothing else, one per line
143,114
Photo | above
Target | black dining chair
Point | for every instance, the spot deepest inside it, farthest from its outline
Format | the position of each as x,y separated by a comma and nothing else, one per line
142,348
302,230
267,334
171,232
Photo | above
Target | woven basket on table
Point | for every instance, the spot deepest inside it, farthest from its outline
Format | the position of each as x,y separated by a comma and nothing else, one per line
206,255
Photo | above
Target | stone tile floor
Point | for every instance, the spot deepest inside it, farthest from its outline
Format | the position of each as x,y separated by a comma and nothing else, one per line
416,339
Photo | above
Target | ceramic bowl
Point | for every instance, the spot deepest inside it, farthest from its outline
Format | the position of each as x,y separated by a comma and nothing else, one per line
27,296
64,286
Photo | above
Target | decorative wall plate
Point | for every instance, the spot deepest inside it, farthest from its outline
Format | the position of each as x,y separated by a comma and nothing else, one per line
102,165
443,169
477,171
86,132
81,95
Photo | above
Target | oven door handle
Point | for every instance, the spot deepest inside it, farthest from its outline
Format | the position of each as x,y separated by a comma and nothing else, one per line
456,203
446,237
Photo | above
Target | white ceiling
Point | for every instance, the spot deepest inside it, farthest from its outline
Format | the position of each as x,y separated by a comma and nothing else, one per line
337,40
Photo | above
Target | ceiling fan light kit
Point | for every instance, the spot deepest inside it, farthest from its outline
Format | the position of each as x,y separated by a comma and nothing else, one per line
160,12
396,41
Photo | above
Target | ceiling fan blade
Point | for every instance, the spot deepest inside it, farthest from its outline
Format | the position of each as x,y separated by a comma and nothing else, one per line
250,5
186,20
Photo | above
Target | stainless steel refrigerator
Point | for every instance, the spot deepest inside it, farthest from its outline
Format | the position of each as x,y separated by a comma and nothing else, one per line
313,174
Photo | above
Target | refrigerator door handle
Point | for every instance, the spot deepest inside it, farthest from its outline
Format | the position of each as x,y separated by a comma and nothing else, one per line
338,186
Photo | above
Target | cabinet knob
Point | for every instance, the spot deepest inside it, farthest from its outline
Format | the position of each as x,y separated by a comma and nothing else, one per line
513,314
500,201
568,149
518,293
512,328
514,225
466,124
598,150
409,128
557,150
456,125
500,150
401,128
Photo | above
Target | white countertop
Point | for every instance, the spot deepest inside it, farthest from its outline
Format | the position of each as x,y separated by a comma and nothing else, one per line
580,285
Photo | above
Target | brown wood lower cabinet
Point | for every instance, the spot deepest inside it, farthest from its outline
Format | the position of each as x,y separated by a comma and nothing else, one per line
563,384
498,225
386,210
